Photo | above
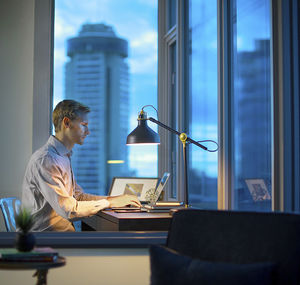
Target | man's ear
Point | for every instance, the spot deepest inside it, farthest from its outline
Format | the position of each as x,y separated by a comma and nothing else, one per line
66,122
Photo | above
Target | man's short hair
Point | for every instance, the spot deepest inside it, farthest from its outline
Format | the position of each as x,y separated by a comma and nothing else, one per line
67,108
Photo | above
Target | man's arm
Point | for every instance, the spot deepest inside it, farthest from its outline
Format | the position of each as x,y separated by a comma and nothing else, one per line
114,201
52,185
124,200
81,196
49,180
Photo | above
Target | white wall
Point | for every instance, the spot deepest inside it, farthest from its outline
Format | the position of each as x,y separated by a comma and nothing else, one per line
16,92
90,266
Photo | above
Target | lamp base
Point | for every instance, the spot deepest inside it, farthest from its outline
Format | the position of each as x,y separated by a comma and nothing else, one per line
174,210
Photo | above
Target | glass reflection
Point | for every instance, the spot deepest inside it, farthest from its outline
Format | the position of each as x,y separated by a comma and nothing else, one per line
203,102
252,106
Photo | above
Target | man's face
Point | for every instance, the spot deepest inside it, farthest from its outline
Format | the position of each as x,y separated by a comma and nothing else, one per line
78,129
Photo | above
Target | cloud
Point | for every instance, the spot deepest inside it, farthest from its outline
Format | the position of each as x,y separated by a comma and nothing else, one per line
147,38
60,57
146,64
143,52
62,28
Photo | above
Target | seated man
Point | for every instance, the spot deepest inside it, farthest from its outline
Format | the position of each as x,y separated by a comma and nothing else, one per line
49,187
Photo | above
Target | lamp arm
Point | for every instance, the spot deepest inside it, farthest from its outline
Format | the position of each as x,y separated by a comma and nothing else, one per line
196,143
164,126
176,132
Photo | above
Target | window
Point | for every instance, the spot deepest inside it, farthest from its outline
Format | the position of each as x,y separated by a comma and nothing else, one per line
202,113
106,58
227,86
251,105
284,72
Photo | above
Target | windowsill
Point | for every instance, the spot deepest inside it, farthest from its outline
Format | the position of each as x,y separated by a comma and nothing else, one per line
91,239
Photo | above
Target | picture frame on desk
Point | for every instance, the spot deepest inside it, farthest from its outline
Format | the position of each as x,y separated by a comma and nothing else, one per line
138,186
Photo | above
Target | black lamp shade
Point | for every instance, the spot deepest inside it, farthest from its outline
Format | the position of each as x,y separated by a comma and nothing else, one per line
142,134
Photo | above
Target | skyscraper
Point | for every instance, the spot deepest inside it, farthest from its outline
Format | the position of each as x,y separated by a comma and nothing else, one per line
97,75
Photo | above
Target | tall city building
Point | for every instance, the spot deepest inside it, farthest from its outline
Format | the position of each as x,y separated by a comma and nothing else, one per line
97,75
253,136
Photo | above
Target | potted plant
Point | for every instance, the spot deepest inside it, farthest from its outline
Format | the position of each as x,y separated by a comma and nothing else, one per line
25,240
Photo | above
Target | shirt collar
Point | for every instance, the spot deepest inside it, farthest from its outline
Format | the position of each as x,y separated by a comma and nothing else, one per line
59,146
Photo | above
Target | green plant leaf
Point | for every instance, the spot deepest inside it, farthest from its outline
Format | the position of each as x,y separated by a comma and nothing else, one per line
24,220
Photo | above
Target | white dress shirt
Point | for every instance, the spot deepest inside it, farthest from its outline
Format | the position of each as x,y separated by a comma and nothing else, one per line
50,190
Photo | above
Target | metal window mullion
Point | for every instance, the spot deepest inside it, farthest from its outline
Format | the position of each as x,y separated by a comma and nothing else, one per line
225,66
165,40
296,102
182,7
277,108
288,110
162,100
285,26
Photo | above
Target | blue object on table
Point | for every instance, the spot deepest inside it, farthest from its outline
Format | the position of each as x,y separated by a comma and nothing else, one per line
10,207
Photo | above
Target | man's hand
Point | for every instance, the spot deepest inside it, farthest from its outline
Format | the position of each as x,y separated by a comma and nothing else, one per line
124,200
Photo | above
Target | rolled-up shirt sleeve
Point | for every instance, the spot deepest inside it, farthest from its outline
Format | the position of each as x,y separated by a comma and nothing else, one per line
81,196
52,185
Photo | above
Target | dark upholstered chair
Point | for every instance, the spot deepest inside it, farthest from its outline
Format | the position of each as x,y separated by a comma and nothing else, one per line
240,238
10,206
213,238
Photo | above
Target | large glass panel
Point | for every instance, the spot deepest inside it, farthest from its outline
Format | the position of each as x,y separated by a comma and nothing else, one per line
251,105
105,56
203,102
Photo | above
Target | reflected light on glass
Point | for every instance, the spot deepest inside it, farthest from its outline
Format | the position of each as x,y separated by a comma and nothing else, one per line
115,161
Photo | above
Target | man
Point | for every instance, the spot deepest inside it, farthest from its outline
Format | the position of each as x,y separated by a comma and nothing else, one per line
49,187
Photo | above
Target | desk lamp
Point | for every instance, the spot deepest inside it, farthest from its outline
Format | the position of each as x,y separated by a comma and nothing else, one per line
143,134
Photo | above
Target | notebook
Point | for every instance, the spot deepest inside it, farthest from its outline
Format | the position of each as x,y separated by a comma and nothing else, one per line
153,198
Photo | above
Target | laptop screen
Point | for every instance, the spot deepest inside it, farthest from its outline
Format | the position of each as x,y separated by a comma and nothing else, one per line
139,186
161,185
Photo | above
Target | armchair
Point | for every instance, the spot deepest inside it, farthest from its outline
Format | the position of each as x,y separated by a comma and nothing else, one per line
264,245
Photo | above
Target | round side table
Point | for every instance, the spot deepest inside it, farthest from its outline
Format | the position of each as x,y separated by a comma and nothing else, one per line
41,267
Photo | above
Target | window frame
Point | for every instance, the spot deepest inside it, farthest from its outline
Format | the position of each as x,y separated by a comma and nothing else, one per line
285,80
286,157
285,109
165,39
285,73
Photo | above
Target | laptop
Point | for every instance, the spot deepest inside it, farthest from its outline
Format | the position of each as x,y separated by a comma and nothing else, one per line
153,198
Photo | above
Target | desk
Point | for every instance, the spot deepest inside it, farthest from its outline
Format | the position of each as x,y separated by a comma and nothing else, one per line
41,267
142,221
